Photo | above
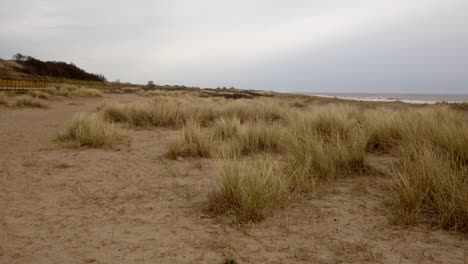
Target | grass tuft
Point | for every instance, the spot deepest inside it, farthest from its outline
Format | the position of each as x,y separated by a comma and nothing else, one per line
27,101
85,92
256,137
249,190
3,99
155,114
227,128
430,183
90,131
39,94
193,142
384,128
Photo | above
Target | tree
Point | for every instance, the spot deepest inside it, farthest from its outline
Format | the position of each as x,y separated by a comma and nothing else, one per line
19,57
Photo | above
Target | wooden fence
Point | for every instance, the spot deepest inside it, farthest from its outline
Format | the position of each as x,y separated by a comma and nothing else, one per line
21,84
24,84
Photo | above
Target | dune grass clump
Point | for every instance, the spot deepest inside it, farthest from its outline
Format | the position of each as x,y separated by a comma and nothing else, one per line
227,128
84,92
28,102
440,127
314,157
321,149
238,139
384,128
460,106
247,110
90,131
332,122
39,94
193,142
202,112
156,114
3,99
68,90
249,190
433,184
256,137
138,115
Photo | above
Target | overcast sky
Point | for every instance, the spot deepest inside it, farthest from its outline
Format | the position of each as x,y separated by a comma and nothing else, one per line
412,46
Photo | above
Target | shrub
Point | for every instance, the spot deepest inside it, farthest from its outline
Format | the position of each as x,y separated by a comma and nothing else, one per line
249,190
90,131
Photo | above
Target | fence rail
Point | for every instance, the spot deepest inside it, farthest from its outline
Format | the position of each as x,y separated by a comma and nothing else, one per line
25,84
7,85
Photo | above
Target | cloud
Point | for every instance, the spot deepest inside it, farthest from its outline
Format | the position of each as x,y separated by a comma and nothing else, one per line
294,45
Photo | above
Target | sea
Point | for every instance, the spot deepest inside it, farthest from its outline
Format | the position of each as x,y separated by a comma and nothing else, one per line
406,98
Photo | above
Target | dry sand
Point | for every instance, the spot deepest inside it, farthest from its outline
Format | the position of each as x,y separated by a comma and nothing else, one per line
131,205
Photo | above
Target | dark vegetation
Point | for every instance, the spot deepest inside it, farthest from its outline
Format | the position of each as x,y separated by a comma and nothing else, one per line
56,69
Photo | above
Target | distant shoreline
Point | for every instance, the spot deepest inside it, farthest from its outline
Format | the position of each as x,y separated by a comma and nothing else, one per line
405,98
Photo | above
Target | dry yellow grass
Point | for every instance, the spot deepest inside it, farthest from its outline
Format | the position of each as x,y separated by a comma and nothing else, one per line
430,183
249,190
312,157
384,128
193,142
317,142
441,127
39,94
28,101
85,92
259,136
90,131
247,110
226,128
3,99
157,114
68,90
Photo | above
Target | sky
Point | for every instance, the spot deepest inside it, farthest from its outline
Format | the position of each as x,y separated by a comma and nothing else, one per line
374,46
